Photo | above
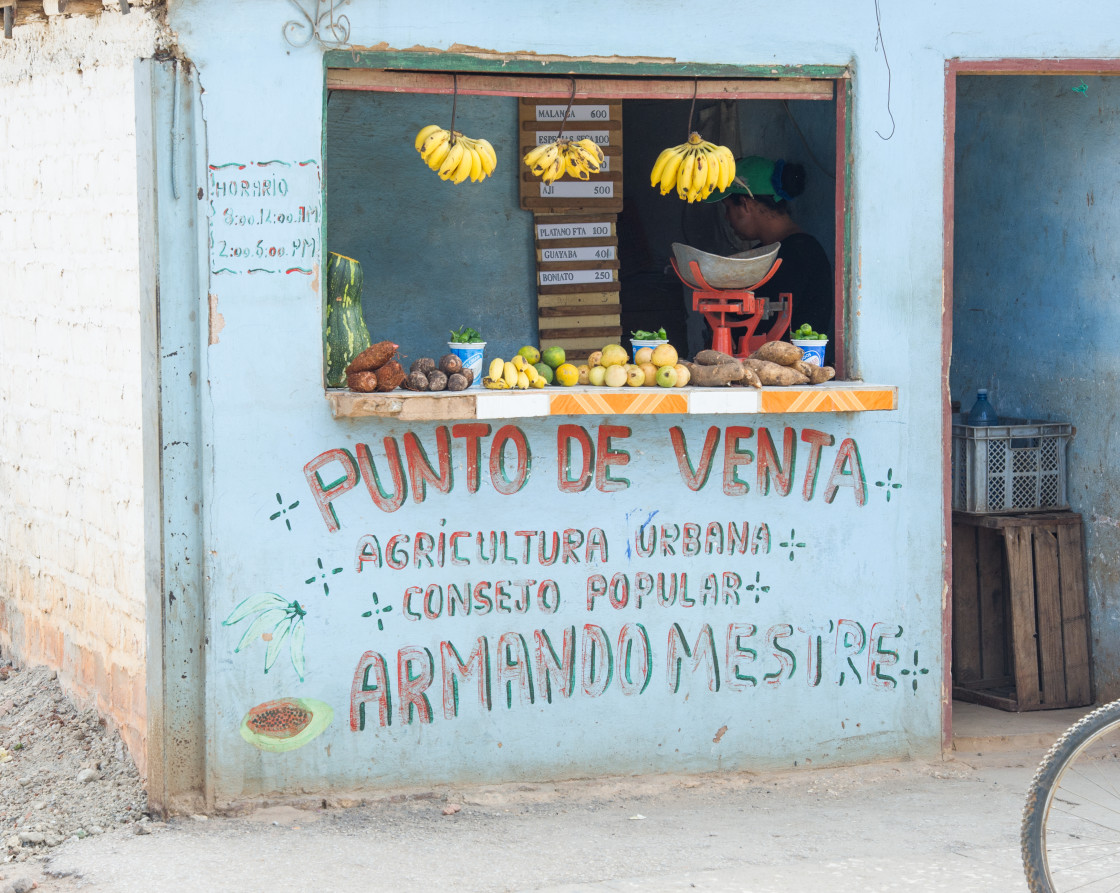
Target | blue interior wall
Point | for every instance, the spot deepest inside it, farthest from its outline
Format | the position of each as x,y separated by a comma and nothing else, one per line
436,255
1035,308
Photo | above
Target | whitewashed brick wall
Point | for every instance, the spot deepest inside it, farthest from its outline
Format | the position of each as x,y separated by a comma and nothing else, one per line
71,499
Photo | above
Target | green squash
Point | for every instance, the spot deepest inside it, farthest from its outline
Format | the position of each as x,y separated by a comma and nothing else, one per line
345,334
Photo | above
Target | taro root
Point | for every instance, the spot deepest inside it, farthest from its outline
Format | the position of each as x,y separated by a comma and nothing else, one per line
456,381
468,374
389,376
449,364
365,382
423,365
417,381
373,357
437,381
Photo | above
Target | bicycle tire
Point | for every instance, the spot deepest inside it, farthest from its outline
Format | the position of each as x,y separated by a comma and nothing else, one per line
1071,820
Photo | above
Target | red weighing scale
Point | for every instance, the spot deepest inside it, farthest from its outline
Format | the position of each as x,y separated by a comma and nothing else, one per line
734,308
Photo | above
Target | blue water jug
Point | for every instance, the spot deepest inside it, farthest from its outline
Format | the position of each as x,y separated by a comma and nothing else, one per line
982,412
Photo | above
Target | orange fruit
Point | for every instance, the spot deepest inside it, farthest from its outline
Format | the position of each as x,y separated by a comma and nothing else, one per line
567,374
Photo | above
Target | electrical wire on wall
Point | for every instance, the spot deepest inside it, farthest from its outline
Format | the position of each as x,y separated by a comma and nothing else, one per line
881,44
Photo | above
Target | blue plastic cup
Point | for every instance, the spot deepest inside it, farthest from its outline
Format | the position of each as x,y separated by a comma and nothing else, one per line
813,350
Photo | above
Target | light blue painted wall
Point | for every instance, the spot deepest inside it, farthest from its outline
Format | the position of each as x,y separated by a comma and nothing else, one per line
266,417
1035,290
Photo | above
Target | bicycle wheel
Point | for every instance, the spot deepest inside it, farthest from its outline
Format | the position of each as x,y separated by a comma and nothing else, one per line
1070,835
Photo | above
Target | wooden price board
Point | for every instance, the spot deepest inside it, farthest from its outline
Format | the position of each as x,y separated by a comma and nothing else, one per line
577,282
598,120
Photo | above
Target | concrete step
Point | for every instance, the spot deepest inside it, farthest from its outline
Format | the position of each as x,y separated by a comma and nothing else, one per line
980,730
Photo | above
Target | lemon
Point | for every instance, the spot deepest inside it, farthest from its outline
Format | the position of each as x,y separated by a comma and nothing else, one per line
567,374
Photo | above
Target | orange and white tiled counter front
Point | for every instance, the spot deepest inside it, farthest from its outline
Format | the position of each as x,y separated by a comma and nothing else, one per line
482,404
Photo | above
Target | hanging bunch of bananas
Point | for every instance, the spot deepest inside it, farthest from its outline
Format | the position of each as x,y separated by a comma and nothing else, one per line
577,158
695,169
454,156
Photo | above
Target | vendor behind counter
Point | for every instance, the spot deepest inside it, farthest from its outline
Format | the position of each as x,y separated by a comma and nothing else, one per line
757,205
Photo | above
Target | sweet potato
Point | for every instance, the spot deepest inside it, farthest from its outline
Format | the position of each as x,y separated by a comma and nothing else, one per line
750,378
804,368
389,376
713,376
366,382
781,352
776,374
373,357
821,374
713,358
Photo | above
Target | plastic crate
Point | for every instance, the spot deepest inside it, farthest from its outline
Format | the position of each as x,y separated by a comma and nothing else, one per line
1019,466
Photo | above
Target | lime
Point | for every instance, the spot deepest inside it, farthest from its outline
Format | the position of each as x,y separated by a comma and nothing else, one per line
544,371
554,356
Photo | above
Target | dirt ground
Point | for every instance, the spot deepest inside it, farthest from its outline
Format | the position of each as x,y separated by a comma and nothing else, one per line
928,826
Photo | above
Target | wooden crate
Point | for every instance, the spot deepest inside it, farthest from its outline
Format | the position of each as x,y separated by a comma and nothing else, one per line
1020,620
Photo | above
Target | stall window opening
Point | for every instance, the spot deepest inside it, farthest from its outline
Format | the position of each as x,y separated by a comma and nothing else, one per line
438,256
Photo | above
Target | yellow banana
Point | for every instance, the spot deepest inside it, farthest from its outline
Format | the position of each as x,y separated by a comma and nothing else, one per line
533,156
684,175
477,172
437,156
554,171
575,165
726,168
699,178
510,373
489,157
660,164
531,373
522,381
585,157
433,142
538,382
519,362
495,370
711,161
545,159
424,133
451,162
670,172
592,148
464,169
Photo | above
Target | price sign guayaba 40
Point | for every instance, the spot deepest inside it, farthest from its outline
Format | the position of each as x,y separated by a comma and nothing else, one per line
265,217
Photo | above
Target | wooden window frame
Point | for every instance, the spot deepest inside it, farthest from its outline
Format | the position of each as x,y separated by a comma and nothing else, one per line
544,78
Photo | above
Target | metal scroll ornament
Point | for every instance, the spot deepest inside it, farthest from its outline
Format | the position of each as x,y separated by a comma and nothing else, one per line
322,24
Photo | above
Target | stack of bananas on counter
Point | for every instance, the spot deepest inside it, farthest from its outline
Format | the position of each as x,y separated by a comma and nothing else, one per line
518,373
454,156
695,169
579,158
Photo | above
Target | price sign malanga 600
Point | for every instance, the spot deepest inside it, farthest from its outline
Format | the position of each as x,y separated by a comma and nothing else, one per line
265,217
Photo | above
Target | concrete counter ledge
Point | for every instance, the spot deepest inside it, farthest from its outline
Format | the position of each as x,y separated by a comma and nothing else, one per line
842,396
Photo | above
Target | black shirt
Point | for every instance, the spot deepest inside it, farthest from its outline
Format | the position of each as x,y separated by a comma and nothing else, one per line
807,275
